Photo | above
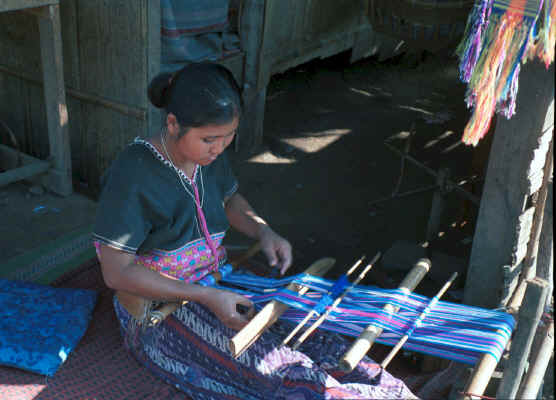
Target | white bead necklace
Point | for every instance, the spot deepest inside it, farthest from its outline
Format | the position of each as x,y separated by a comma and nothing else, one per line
191,182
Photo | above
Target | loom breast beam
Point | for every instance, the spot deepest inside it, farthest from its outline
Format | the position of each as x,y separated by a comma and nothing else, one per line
313,312
337,301
160,314
273,310
417,322
366,339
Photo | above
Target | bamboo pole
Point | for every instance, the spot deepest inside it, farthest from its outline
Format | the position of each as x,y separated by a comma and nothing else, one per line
272,311
537,369
528,319
405,337
311,313
366,339
333,306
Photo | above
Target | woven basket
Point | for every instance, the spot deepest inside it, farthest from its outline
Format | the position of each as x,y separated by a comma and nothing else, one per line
425,24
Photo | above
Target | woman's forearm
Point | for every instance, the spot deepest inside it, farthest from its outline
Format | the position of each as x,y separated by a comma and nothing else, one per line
243,218
120,272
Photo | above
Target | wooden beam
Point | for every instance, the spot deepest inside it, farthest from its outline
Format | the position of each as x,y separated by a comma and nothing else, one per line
19,166
24,172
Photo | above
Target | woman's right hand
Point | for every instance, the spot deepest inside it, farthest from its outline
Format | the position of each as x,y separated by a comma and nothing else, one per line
228,308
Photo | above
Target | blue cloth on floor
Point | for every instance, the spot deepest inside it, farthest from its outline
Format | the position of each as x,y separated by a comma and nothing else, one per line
40,325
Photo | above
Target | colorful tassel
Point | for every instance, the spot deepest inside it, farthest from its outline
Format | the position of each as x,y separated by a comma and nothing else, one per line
500,35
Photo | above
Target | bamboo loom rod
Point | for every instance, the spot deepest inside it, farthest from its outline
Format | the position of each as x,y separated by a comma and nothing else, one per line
535,375
272,311
333,306
528,319
311,313
405,337
486,366
160,314
366,339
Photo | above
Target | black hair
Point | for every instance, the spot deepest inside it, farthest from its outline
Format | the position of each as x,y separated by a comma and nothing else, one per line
199,94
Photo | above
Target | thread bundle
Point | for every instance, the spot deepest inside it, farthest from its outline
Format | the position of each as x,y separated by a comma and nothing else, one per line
501,35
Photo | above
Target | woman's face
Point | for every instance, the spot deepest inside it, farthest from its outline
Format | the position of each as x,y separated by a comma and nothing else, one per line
204,144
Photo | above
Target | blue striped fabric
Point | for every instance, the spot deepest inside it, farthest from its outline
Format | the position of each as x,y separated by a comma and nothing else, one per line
449,330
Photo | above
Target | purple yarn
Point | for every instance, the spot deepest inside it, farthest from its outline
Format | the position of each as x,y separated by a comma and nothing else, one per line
480,17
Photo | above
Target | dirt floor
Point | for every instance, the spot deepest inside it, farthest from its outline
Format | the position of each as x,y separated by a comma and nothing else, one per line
324,164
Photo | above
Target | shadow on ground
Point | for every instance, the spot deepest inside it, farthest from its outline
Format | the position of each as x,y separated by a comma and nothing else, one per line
324,165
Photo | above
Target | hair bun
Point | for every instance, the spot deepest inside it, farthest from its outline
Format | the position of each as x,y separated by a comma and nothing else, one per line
157,89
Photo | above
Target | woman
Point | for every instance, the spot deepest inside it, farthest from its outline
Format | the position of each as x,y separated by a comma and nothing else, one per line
163,212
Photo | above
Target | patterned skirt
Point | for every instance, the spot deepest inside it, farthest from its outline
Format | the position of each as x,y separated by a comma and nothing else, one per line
189,350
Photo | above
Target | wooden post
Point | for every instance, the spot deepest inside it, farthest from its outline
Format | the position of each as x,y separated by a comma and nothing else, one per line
254,91
366,339
503,225
528,319
59,177
537,366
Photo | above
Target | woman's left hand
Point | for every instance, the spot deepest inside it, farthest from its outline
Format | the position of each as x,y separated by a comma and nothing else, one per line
277,249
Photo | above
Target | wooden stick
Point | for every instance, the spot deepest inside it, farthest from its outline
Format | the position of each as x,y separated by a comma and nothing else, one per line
366,339
311,313
272,311
486,366
528,319
405,337
535,375
333,306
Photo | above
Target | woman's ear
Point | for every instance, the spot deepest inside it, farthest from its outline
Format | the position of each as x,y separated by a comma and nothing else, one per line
172,125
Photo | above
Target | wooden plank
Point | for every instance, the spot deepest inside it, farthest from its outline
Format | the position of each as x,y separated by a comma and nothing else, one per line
70,45
530,262
523,233
113,49
545,257
535,174
12,113
152,26
19,165
506,188
59,179
527,321
13,5
25,172
20,43
105,133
